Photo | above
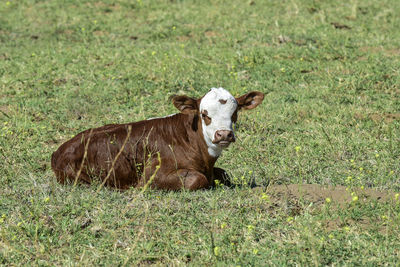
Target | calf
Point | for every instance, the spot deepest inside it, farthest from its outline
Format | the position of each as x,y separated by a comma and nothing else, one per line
173,152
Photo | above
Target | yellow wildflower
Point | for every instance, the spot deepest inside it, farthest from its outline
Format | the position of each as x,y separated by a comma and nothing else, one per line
217,251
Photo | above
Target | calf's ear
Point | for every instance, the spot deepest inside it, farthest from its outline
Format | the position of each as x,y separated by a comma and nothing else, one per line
250,100
185,104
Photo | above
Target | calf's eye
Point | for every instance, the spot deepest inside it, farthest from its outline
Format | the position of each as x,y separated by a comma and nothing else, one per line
206,119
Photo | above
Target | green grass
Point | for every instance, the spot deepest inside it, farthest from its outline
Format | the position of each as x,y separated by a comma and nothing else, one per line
331,116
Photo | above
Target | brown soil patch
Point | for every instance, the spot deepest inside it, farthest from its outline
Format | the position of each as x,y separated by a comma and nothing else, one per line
317,194
387,117
67,32
293,199
183,38
100,33
211,34
5,110
387,52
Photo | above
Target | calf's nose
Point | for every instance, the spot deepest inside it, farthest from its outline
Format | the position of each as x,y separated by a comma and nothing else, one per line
224,135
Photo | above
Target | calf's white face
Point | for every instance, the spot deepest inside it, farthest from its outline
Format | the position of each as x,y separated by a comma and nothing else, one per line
218,111
217,108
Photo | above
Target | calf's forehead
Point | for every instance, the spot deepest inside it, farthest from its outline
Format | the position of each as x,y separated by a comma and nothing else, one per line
218,101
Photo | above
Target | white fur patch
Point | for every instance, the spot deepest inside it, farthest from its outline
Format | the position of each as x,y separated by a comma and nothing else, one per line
220,114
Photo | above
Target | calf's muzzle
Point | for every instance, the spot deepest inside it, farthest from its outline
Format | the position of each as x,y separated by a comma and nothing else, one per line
224,137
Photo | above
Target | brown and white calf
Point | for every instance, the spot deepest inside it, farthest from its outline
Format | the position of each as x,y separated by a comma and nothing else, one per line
173,152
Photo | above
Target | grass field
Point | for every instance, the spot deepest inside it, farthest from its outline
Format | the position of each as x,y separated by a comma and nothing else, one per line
331,117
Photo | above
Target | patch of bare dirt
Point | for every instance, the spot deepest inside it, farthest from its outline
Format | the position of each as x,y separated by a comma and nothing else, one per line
294,198
5,110
183,38
66,32
317,194
211,34
387,117
100,33
386,52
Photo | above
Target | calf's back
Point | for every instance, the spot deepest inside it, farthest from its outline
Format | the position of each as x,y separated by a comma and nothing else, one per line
166,144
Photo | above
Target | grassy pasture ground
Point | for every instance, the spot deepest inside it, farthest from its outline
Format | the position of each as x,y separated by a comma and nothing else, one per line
331,116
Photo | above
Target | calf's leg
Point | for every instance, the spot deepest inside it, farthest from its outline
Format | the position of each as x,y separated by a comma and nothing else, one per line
222,176
183,178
